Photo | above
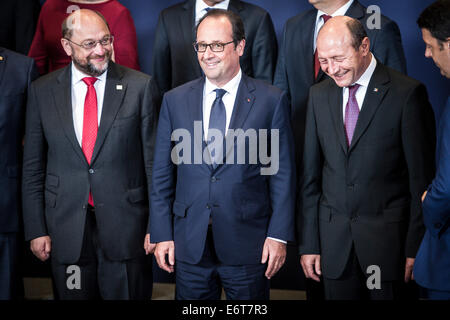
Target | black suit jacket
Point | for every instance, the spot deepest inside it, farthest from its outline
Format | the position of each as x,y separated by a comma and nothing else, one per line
57,177
175,62
18,19
16,73
295,68
367,195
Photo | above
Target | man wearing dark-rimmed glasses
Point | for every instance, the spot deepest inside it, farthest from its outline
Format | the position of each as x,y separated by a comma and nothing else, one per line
230,230
87,168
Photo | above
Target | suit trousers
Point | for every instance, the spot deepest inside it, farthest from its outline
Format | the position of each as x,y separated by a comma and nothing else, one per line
205,280
352,285
99,277
11,285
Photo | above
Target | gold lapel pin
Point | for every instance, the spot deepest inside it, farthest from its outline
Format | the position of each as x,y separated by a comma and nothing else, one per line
119,87
1,58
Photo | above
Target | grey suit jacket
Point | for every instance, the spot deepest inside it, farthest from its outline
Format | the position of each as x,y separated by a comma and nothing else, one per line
57,178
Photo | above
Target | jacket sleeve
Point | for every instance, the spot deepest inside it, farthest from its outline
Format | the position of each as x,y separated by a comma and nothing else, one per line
436,206
34,164
161,63
418,139
311,186
264,51
163,180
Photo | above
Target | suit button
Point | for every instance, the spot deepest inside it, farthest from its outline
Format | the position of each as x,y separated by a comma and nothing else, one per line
213,179
91,171
208,207
438,225
350,186
354,218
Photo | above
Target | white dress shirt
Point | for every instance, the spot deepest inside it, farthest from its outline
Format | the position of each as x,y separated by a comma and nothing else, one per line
229,98
79,90
209,95
363,82
320,22
200,8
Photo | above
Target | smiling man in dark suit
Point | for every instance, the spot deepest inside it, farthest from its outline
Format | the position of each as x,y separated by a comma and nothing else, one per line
298,69
16,73
223,224
87,168
175,63
368,155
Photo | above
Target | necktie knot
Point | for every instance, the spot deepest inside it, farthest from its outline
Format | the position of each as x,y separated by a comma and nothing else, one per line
325,17
89,81
220,93
352,89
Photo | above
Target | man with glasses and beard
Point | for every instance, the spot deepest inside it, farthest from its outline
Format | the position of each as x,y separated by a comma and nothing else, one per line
87,168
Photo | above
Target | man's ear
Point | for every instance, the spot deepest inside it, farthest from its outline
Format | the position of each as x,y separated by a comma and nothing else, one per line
66,46
365,45
240,47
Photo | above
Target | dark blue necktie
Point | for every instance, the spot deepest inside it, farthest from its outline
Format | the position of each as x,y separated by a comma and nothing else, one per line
218,116
207,9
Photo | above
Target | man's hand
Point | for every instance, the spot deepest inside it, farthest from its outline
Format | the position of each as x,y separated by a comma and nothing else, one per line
148,246
41,247
409,269
424,195
162,249
275,252
311,266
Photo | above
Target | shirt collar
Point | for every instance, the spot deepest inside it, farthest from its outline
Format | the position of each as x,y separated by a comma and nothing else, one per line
367,75
78,76
230,87
200,5
339,12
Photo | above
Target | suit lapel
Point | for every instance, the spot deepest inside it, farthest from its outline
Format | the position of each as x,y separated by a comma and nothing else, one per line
235,6
195,112
63,103
356,10
111,104
374,96
336,113
187,26
242,106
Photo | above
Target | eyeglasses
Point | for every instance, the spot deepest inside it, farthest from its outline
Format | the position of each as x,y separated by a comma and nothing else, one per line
90,44
215,47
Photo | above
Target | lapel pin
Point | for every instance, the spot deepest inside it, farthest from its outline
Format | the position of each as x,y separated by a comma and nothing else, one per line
119,87
375,90
1,58
248,99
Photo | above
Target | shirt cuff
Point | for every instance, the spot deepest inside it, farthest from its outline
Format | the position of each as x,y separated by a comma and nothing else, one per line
279,240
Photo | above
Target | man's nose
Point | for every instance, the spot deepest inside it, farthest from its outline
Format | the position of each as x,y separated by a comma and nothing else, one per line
99,49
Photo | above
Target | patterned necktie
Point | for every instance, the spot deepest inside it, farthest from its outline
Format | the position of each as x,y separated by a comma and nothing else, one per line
217,118
325,18
351,112
90,123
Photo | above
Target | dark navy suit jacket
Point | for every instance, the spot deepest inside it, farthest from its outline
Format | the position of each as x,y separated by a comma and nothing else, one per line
432,266
245,206
16,73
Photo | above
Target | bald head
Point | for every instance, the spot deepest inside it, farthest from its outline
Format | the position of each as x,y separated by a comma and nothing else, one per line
81,19
343,50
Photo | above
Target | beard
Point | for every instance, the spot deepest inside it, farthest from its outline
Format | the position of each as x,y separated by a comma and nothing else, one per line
89,68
